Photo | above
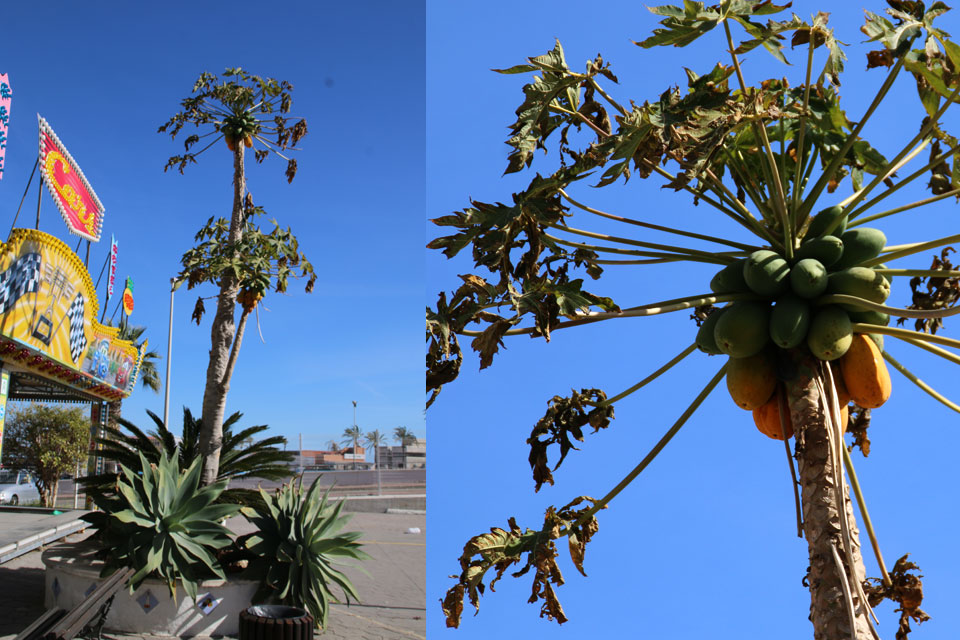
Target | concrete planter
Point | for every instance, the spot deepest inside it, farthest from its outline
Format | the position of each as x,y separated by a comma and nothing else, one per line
72,572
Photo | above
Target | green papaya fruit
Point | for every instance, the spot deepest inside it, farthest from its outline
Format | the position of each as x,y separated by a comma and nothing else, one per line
826,250
729,279
830,333
766,273
882,266
705,340
859,245
860,282
829,217
808,278
742,330
789,321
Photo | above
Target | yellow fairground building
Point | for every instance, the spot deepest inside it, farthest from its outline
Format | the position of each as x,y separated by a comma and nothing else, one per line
52,345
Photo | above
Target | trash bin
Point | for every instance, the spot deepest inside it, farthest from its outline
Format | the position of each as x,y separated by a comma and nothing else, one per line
275,622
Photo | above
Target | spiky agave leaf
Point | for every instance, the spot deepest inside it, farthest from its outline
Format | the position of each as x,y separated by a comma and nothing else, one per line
298,548
163,523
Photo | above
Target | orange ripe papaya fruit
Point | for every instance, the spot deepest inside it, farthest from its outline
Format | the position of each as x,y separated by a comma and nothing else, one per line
248,141
767,418
751,381
231,143
865,373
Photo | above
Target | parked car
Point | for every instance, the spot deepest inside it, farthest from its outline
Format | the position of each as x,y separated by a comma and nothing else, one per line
17,486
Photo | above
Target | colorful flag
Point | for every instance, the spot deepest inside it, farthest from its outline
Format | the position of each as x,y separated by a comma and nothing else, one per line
78,204
5,96
113,266
128,297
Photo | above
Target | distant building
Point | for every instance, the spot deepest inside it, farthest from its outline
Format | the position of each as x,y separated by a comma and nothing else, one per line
412,456
330,460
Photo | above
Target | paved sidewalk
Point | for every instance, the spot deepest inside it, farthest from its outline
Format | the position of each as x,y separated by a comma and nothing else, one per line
394,595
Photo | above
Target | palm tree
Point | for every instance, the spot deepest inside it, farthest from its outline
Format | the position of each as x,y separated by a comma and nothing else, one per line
333,446
242,109
405,437
351,437
241,456
149,374
375,439
765,157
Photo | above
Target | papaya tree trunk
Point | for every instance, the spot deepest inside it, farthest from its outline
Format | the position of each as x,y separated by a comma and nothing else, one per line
823,506
222,337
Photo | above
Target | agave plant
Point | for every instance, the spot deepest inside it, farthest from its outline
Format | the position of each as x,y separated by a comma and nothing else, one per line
161,522
262,459
297,547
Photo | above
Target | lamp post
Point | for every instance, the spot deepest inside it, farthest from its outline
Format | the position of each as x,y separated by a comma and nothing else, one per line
376,458
354,434
166,384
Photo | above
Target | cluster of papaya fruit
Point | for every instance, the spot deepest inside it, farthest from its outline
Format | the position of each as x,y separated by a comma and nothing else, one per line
239,128
787,314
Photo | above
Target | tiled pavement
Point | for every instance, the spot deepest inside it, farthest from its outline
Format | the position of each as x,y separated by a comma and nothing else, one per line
393,593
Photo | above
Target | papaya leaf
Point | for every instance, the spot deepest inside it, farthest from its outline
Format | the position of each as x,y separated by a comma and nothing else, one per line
858,424
502,548
578,535
489,342
563,422
934,293
895,37
821,35
681,26
556,86
906,589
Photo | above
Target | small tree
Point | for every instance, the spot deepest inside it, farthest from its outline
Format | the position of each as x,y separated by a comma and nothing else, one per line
234,254
405,437
48,440
375,439
351,436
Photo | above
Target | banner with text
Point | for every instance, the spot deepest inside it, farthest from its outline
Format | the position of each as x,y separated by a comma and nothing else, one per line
78,204
5,97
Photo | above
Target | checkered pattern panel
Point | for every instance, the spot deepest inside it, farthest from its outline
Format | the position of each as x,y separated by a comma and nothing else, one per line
21,278
78,340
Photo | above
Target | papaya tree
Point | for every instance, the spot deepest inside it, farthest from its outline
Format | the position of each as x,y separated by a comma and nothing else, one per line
793,316
233,254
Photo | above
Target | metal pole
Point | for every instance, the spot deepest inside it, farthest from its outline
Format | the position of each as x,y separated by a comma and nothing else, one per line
39,194
166,386
76,486
354,434
376,459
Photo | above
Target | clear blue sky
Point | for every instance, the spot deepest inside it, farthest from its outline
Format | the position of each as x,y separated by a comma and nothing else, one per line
107,75
703,544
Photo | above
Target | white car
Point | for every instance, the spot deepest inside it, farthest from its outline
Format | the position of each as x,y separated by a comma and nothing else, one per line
17,487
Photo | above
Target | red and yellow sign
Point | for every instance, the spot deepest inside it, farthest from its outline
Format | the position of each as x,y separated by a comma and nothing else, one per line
128,297
78,204
48,319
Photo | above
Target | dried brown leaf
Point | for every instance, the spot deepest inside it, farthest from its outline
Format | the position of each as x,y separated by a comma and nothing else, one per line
906,589
563,421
